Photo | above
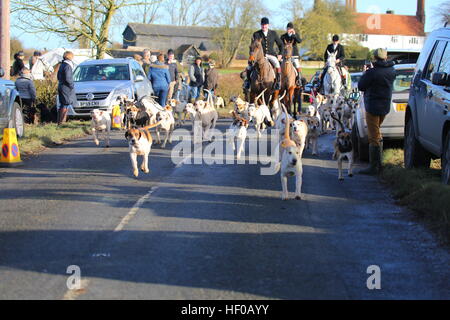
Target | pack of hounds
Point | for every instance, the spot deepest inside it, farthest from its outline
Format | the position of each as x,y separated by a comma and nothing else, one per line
297,133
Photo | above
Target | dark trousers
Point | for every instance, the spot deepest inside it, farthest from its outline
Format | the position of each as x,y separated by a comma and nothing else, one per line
161,93
29,110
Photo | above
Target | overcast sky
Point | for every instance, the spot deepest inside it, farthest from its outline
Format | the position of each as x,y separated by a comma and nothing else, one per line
278,19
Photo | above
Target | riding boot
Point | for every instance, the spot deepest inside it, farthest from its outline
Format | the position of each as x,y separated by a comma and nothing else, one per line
277,84
247,80
298,80
375,161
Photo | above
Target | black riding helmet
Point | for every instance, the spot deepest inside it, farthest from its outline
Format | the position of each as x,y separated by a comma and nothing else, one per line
335,37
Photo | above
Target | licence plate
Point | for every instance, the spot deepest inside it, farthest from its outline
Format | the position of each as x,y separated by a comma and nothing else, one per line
400,107
89,103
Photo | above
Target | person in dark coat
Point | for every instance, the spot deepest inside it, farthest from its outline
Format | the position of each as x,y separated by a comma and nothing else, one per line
196,79
292,37
211,78
269,39
66,87
160,78
18,64
377,84
173,70
27,93
331,48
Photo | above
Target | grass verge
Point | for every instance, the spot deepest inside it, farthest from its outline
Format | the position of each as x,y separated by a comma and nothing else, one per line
38,137
420,190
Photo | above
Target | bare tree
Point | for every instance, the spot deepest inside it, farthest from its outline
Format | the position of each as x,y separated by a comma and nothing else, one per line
148,12
236,21
187,12
442,14
72,19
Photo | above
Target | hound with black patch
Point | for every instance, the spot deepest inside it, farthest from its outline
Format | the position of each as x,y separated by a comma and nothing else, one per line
343,148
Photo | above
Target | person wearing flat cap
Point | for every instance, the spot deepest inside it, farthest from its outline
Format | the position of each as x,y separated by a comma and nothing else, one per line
292,37
269,39
377,84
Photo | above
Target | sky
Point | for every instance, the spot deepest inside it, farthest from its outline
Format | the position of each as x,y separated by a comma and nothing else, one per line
278,19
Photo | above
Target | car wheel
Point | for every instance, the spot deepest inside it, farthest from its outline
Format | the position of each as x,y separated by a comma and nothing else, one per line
446,160
363,147
17,121
415,155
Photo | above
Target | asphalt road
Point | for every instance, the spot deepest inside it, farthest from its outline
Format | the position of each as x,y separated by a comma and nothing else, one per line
205,231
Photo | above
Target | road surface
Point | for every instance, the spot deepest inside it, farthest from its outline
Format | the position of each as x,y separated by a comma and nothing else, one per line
205,231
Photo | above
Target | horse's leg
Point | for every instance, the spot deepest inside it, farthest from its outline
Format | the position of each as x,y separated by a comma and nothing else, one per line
291,100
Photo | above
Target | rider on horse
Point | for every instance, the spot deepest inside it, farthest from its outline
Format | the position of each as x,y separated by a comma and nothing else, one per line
340,56
269,38
291,36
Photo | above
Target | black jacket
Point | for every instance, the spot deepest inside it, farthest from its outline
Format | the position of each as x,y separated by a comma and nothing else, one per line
269,41
340,52
17,67
66,91
377,84
295,39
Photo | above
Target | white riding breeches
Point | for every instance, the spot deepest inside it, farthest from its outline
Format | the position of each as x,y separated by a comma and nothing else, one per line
273,60
295,62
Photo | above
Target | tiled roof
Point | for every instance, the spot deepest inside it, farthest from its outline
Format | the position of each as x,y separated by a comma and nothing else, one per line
391,24
171,31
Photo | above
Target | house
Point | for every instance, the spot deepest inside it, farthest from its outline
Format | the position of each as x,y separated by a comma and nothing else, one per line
186,54
165,37
389,30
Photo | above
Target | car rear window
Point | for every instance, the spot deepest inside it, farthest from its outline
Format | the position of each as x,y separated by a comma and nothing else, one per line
101,72
403,80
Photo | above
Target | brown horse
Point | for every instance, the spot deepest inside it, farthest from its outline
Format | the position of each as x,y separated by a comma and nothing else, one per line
288,77
264,77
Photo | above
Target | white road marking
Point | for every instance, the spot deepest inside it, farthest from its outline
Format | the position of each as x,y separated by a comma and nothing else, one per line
134,210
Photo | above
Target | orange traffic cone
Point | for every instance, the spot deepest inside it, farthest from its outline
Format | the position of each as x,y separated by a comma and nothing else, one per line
116,122
10,154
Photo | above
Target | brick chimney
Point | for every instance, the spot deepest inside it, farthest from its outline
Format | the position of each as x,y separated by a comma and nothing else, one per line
351,4
421,11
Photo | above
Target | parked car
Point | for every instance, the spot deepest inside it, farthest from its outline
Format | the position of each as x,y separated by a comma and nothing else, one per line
427,117
98,83
355,76
310,85
394,124
11,115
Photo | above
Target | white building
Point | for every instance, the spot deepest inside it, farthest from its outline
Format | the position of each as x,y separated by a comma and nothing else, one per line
390,31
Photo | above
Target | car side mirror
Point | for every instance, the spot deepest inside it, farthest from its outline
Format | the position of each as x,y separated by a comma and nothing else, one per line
440,79
139,78
2,72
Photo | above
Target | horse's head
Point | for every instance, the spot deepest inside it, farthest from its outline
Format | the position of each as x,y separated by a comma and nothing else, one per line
331,62
255,50
288,48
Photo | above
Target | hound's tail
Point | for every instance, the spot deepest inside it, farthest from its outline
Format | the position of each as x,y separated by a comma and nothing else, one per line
152,126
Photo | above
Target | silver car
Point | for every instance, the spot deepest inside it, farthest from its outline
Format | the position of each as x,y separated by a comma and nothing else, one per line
10,110
98,83
393,127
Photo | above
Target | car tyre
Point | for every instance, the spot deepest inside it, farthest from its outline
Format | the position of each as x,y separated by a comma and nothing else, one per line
446,160
415,156
17,120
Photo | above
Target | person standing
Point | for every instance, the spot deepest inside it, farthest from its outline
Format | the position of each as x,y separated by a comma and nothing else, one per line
160,78
27,93
292,37
34,58
66,87
196,79
377,84
18,64
146,63
211,78
173,70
